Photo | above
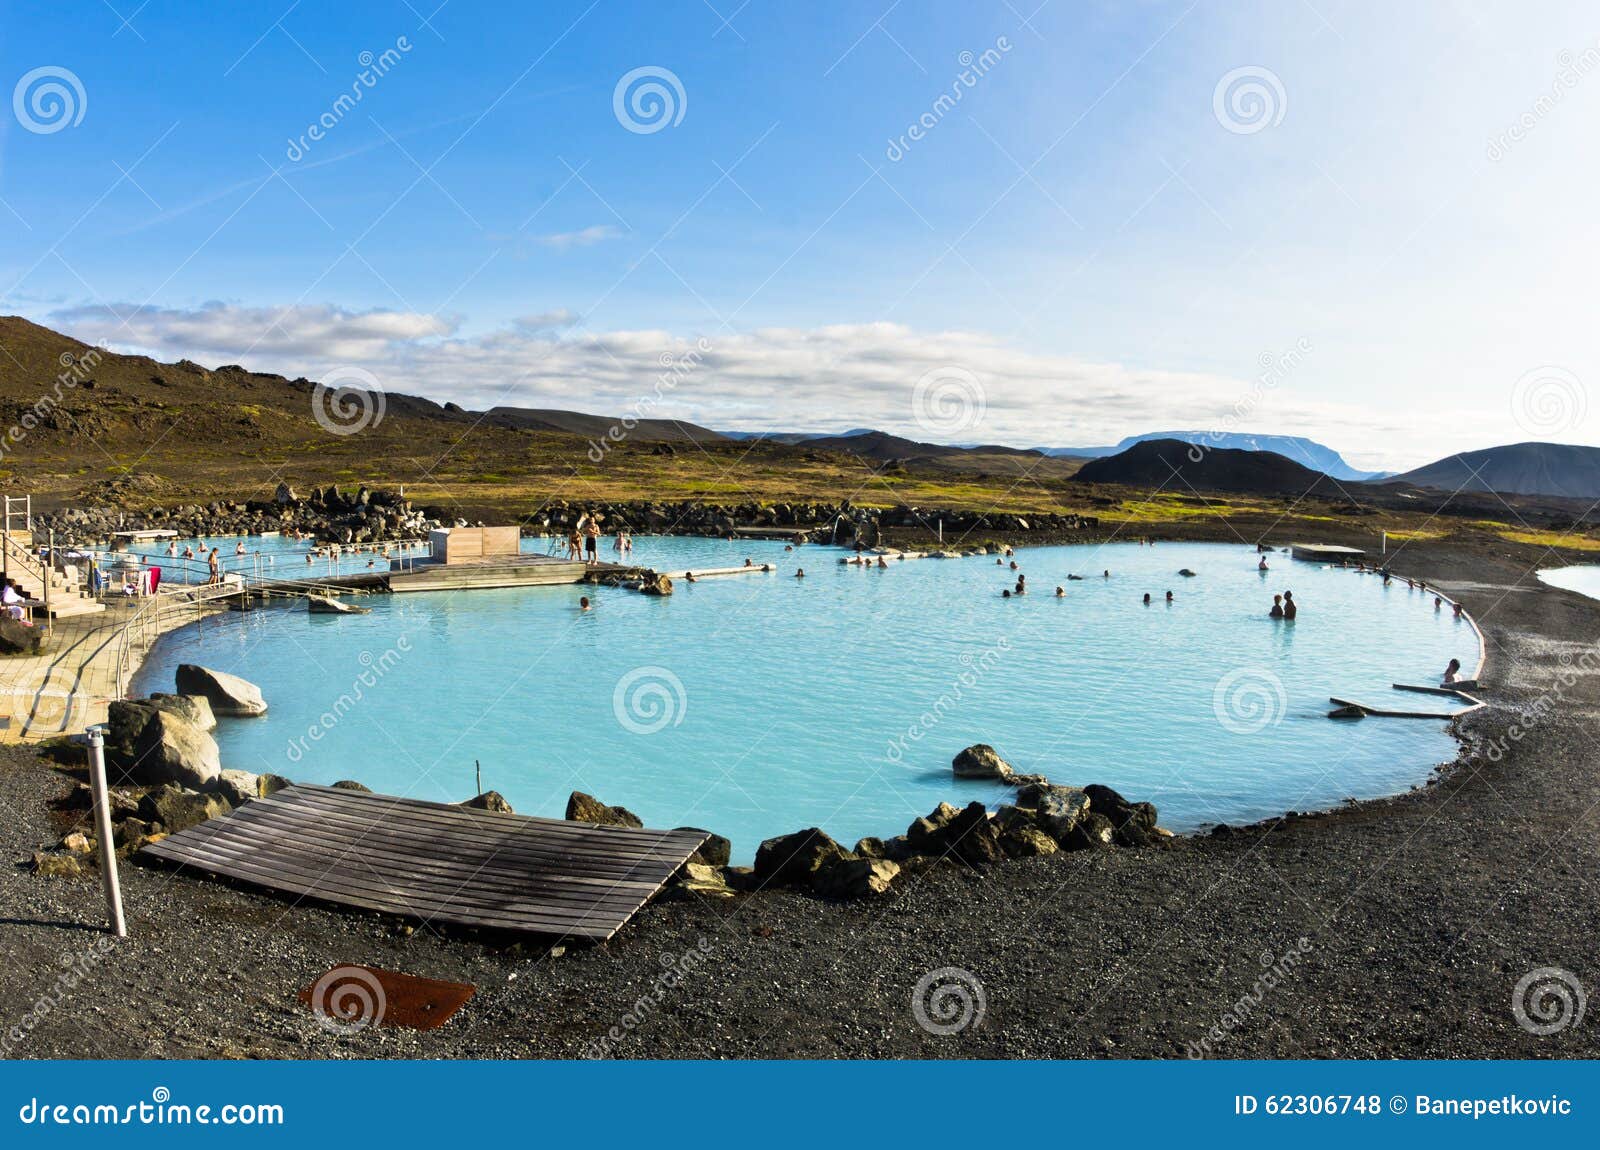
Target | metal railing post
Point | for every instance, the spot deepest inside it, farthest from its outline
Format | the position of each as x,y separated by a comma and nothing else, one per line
102,822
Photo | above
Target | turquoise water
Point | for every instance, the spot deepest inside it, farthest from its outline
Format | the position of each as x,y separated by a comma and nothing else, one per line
759,704
1585,580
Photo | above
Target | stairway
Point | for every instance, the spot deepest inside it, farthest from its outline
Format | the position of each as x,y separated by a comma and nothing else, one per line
29,573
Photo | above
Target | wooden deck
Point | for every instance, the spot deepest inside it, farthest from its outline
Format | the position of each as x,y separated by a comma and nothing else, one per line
1325,552
495,571
437,862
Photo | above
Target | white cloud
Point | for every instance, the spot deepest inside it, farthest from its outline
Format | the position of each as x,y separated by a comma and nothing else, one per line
826,379
582,238
228,333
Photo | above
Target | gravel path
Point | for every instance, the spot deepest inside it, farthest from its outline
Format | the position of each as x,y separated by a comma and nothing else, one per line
1418,917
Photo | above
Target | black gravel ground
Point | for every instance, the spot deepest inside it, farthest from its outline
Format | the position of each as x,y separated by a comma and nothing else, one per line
1419,917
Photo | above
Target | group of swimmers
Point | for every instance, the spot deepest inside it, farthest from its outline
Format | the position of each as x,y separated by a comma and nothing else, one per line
584,540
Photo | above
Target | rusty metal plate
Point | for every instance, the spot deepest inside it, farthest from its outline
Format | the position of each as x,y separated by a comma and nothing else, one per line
351,998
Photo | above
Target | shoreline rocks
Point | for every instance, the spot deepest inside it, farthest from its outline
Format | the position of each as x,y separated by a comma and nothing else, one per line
172,750
981,761
489,801
585,808
227,694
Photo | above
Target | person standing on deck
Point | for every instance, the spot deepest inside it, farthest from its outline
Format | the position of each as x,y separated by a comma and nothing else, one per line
591,541
214,564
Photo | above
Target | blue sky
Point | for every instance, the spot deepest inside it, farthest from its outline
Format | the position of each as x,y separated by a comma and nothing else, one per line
1091,242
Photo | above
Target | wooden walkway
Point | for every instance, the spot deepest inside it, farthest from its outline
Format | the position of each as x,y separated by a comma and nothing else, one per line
437,862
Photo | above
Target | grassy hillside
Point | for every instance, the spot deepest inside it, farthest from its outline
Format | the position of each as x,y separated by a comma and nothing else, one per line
81,425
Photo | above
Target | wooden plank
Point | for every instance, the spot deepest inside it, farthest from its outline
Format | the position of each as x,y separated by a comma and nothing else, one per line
338,830
542,918
316,874
1382,713
616,838
486,871
376,900
508,851
437,861
493,873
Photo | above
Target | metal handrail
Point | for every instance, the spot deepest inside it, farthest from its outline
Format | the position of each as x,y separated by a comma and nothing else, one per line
143,627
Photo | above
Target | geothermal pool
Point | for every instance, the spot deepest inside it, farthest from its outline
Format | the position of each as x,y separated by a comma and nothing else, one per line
759,704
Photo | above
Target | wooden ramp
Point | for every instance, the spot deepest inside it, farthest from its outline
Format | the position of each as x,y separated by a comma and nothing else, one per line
437,862
501,571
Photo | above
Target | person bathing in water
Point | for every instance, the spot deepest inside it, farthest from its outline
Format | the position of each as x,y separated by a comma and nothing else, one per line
1262,566
1289,609
1277,607
1453,671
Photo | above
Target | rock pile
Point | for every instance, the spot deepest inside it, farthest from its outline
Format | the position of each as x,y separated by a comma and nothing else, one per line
328,515
1044,819
163,744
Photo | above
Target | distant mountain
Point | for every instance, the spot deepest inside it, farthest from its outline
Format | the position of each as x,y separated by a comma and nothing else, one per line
1518,468
788,438
1172,464
1308,452
597,426
882,445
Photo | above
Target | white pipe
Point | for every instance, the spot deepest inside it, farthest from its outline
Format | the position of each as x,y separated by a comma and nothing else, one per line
102,822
